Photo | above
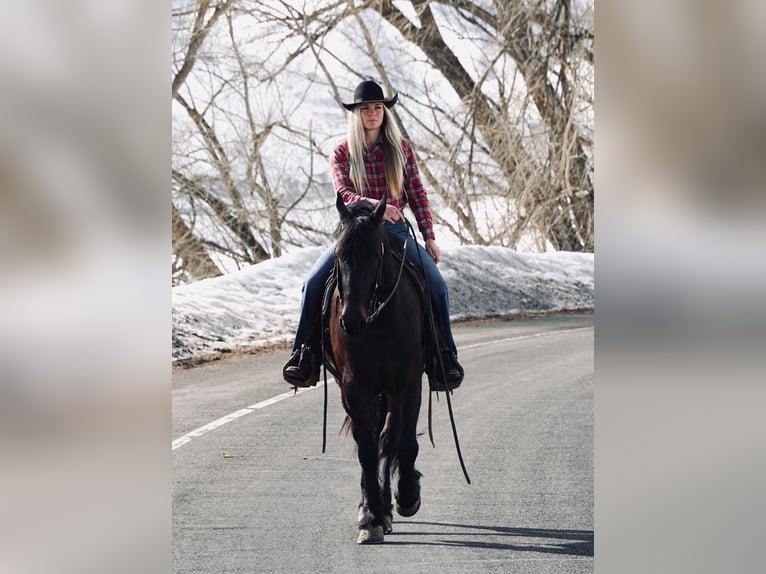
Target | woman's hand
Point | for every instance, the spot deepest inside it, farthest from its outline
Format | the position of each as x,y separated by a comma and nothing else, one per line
393,214
433,250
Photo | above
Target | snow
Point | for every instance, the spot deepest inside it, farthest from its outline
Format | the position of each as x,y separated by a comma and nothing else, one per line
259,306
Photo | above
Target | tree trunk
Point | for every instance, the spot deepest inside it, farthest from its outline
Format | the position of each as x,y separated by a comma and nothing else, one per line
194,261
230,218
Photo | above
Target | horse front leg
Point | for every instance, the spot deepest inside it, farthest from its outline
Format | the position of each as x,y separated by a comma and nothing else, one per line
387,446
371,512
408,486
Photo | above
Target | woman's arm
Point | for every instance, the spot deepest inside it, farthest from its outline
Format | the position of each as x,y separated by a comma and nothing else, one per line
433,250
416,194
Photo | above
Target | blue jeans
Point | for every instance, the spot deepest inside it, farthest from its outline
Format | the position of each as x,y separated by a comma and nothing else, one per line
313,287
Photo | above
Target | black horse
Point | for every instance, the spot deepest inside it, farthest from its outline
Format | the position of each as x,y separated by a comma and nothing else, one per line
376,330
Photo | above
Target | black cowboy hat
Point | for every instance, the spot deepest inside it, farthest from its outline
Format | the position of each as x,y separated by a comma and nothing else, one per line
369,91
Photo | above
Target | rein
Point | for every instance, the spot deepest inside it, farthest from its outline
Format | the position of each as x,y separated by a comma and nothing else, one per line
432,325
374,300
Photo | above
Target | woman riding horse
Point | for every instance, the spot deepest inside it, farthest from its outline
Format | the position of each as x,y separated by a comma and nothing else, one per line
374,162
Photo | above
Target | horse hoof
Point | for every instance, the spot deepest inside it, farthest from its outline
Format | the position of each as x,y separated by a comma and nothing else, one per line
408,511
373,535
388,525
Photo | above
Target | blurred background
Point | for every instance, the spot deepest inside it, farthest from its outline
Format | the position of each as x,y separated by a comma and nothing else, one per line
680,314
107,186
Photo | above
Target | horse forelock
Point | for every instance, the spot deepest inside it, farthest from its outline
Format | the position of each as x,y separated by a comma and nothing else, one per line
359,239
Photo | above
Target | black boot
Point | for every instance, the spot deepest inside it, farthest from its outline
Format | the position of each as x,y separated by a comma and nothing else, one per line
302,369
453,370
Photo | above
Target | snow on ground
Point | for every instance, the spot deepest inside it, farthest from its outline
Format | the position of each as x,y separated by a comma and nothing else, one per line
259,306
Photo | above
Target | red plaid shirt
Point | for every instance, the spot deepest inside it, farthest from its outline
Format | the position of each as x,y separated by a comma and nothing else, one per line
413,193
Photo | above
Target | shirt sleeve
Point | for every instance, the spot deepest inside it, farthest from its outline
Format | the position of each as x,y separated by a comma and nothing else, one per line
341,168
417,198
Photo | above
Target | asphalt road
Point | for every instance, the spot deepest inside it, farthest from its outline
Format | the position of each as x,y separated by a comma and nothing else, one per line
252,491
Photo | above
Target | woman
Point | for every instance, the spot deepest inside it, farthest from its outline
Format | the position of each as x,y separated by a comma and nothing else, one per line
372,162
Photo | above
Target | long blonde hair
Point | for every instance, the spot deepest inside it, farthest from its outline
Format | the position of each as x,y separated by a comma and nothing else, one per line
393,155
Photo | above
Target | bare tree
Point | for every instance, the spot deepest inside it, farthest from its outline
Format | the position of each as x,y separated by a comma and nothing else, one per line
242,198
190,256
497,100
191,260
543,42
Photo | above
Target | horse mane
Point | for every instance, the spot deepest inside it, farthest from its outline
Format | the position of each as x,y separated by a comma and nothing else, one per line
359,239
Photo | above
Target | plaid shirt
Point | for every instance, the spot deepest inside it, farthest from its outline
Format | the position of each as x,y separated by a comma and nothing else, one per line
413,193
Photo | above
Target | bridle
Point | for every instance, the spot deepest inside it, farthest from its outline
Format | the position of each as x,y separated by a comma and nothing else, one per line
375,306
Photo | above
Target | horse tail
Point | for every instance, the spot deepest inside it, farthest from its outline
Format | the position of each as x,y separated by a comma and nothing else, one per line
346,427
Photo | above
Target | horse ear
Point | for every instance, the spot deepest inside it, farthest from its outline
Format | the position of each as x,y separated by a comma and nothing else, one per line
379,211
342,209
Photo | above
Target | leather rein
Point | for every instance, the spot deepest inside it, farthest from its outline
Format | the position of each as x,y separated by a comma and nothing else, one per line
375,307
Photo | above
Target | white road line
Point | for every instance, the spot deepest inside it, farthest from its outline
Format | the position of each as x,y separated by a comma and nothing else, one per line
522,337
182,440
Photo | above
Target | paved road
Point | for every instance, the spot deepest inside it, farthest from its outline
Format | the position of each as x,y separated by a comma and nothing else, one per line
254,493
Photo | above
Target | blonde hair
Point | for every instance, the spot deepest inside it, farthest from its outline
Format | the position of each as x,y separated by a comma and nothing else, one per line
393,154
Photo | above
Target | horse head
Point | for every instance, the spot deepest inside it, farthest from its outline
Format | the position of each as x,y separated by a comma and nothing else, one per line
358,257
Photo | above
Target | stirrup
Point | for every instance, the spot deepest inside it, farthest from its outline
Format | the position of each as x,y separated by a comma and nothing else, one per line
302,368
453,370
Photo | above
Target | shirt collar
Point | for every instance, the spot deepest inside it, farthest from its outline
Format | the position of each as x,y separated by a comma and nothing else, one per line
377,146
